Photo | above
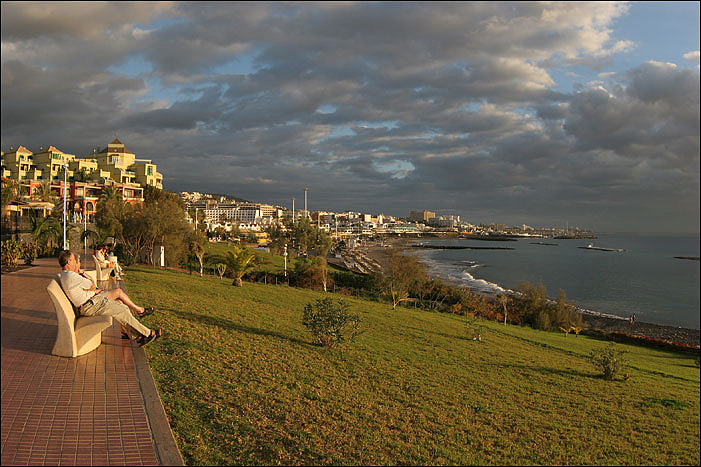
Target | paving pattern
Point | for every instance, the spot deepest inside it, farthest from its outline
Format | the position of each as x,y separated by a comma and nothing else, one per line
87,410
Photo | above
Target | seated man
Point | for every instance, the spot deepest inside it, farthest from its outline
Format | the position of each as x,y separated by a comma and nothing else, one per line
91,301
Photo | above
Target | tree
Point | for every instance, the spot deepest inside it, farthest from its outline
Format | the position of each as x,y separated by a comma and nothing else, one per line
240,261
96,237
503,300
312,273
197,242
49,231
10,193
44,193
403,272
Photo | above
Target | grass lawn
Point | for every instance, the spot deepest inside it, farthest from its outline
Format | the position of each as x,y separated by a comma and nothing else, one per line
242,383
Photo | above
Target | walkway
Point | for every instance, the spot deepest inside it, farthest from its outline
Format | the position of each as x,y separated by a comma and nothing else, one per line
97,409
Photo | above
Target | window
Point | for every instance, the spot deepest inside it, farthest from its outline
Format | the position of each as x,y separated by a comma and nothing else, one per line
150,170
115,159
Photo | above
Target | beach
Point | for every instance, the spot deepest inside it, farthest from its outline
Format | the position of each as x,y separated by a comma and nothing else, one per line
594,321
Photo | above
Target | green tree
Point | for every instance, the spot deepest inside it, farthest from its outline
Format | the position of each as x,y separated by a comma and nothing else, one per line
312,273
44,193
197,241
403,273
10,193
330,322
48,232
240,261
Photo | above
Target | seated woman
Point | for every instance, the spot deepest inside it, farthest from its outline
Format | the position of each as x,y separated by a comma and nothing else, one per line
102,254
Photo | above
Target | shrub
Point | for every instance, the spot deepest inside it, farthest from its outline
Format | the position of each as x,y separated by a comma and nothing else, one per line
30,251
10,253
609,361
329,321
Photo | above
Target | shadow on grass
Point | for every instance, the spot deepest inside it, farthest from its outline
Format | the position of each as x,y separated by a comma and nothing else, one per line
227,324
547,370
442,334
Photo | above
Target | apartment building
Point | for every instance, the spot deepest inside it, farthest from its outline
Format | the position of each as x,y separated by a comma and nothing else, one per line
113,164
85,177
421,216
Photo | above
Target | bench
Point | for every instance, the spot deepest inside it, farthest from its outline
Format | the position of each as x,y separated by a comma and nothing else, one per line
103,274
77,335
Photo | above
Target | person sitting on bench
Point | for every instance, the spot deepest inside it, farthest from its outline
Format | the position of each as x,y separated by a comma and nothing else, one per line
102,254
91,301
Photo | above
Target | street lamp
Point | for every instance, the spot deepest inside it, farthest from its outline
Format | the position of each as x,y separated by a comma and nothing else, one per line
285,259
65,187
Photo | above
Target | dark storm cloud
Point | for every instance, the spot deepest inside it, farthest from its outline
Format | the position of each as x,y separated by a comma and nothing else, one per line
374,106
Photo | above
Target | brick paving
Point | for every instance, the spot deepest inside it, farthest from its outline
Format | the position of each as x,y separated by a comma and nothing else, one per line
87,410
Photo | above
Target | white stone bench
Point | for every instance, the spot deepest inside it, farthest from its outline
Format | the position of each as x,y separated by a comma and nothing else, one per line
103,274
77,335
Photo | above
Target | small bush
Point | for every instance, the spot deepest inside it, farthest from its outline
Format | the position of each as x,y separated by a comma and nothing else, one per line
11,252
330,322
609,360
30,250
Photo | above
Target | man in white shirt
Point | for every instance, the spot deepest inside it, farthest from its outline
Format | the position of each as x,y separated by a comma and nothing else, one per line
91,301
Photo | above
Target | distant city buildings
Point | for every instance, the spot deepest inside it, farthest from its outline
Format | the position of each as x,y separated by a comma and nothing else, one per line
421,216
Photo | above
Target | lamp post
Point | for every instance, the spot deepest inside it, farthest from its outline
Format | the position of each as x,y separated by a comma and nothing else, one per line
65,187
85,225
285,255
305,201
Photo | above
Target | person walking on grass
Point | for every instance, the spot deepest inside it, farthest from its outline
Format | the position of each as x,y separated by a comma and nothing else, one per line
91,301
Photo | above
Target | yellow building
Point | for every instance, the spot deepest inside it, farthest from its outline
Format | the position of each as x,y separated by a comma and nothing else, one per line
124,167
113,164
86,176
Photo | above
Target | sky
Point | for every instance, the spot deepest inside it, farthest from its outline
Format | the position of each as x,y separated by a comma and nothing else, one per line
573,113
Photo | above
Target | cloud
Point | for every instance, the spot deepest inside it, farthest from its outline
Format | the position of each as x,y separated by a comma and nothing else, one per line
450,105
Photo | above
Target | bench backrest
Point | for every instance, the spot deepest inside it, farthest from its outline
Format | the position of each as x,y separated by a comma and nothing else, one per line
99,269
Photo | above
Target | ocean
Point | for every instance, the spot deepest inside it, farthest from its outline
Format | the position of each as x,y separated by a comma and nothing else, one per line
644,279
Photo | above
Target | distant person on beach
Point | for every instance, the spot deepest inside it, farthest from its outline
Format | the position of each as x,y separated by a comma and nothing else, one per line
91,301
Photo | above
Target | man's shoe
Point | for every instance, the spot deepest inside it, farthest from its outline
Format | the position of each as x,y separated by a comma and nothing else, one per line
151,337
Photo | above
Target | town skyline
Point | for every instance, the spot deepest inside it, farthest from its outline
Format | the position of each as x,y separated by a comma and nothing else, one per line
536,114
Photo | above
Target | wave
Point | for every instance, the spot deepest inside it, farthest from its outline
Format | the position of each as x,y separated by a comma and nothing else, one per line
459,274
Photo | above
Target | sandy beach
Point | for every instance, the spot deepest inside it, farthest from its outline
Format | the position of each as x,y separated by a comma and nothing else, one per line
593,320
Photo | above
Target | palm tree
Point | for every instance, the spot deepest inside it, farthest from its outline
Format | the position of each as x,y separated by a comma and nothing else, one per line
43,192
240,261
110,193
10,193
48,231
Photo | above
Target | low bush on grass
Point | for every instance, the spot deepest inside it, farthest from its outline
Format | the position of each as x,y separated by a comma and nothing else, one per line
329,321
609,360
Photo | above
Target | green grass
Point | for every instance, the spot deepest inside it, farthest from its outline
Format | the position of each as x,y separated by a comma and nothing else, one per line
242,383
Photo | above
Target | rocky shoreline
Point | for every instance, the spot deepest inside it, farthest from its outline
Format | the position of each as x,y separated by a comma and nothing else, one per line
595,322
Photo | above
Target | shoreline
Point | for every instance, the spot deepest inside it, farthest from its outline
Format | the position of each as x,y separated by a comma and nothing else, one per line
595,321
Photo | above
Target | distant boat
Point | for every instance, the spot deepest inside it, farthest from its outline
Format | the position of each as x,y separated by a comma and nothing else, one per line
598,248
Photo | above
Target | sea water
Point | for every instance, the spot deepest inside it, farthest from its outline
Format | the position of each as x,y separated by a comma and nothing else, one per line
645,278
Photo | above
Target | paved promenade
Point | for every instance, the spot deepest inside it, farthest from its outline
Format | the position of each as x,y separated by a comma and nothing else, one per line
97,409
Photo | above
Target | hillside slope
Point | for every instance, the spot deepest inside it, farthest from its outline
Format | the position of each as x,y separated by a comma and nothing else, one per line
242,383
